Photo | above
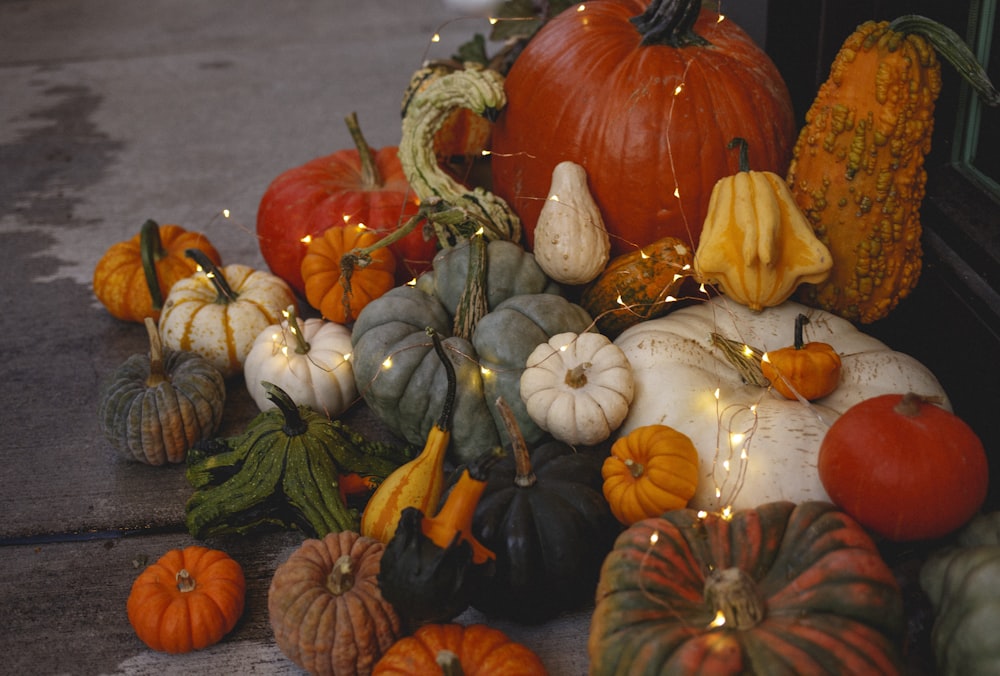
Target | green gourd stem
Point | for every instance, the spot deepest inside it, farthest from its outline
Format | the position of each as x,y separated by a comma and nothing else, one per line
670,23
361,258
472,303
800,321
744,152
294,424
524,475
151,250
444,421
371,177
302,346
226,293
949,45
460,212
733,593
156,372
449,663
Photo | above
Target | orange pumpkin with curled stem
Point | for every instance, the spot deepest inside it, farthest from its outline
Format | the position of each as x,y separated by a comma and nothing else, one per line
808,370
344,270
188,600
133,277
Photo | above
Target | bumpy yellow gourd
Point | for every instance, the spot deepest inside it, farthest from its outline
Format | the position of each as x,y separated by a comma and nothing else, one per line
756,244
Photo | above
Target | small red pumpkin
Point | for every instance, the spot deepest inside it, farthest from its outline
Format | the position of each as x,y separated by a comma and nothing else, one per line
646,97
348,187
904,467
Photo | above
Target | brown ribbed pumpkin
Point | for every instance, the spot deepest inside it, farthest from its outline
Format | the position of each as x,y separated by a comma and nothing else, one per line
645,96
780,589
326,609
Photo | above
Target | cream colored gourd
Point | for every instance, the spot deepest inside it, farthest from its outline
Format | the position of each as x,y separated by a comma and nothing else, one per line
571,243
577,387
756,244
684,381
309,360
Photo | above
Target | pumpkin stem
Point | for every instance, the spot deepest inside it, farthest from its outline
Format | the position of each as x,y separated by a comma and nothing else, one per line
636,469
156,372
371,177
744,152
151,250
302,346
362,258
472,304
524,476
341,577
800,321
444,420
911,402
449,663
743,358
670,23
294,424
953,48
576,377
733,596
226,293
185,582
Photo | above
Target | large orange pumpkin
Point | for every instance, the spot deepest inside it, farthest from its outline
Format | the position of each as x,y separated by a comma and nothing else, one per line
646,102
352,186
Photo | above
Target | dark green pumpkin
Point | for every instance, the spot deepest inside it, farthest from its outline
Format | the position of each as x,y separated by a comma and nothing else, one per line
155,406
523,309
283,471
550,527
781,589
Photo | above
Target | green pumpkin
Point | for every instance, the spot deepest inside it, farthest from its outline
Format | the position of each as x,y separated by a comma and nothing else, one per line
155,406
963,585
283,471
402,379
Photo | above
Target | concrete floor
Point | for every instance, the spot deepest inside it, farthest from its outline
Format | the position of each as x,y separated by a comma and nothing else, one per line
113,112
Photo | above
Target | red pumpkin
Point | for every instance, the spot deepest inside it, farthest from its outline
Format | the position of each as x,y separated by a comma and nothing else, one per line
348,187
648,115
904,467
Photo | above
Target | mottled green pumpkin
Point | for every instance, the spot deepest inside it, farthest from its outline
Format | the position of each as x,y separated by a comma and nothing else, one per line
780,589
403,381
155,406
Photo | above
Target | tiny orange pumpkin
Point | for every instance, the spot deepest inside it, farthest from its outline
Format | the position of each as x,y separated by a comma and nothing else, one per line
188,600
133,277
343,271
651,470
812,370
459,649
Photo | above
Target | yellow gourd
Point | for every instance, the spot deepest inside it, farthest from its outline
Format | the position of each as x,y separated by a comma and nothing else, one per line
420,482
756,244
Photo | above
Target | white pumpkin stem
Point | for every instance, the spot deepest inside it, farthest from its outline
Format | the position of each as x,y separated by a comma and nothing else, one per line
733,596
302,346
156,372
576,377
341,577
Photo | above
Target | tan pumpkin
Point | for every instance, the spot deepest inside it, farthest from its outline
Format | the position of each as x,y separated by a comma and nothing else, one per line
326,609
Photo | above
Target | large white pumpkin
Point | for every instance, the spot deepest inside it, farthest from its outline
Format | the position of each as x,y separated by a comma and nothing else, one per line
755,446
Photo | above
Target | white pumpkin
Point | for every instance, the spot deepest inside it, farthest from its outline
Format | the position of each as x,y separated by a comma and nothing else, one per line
755,446
309,360
571,244
577,387
218,313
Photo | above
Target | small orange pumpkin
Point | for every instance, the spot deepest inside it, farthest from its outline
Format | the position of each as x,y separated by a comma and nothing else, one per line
133,277
810,369
472,650
342,271
188,600
651,470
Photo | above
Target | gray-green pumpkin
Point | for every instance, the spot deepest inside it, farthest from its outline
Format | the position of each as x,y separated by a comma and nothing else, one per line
402,379
154,406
